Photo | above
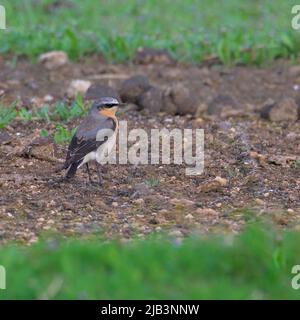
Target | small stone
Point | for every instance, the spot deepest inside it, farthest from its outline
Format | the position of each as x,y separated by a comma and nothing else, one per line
217,184
189,217
139,201
67,205
33,240
207,212
115,204
9,215
259,202
78,87
221,181
175,233
292,136
163,211
54,59
290,210
48,98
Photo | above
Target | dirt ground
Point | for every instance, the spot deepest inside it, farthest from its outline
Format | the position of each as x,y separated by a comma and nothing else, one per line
258,160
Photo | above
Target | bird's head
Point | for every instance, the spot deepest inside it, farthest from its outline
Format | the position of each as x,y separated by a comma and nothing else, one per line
107,106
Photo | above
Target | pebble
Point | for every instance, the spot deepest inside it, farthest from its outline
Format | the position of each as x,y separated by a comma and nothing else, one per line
222,181
207,212
78,87
48,98
259,202
53,59
175,233
185,202
139,201
189,216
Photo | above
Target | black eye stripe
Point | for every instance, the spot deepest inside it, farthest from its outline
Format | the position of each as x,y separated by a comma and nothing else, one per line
108,105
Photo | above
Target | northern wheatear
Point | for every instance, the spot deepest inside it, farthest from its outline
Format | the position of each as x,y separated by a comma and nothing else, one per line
94,137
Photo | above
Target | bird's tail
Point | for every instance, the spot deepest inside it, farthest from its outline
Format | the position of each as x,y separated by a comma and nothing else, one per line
72,170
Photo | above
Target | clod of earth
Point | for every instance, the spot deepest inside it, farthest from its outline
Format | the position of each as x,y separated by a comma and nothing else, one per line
98,91
284,110
133,88
178,99
150,55
151,100
222,103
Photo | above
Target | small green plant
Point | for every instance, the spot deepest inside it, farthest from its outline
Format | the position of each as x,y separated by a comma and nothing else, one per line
7,114
62,111
65,112
63,135
43,113
78,108
152,182
25,115
297,164
44,133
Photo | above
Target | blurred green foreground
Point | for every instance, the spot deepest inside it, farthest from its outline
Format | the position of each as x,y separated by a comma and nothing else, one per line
256,264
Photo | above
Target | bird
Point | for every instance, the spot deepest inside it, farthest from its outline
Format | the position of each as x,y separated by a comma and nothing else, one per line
94,137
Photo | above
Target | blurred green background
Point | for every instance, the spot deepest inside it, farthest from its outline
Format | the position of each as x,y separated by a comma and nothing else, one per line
236,31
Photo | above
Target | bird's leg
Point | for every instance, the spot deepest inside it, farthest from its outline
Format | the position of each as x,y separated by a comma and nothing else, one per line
89,173
98,173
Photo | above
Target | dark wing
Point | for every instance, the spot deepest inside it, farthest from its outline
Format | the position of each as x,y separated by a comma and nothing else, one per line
85,139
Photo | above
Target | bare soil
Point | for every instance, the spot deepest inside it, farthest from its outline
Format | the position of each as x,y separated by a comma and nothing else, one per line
258,160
